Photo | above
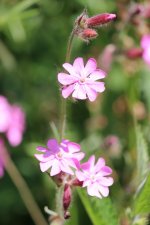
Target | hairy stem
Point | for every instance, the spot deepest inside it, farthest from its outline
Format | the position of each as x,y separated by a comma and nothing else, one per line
24,192
59,201
63,101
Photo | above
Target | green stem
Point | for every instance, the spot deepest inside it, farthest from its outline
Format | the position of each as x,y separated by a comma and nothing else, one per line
63,101
69,46
59,201
24,192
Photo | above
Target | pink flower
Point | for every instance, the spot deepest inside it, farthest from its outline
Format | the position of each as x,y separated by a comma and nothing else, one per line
16,126
145,44
59,157
12,121
5,114
95,177
82,81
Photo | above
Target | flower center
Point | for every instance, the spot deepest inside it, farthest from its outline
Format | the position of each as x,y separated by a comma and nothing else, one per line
82,80
59,155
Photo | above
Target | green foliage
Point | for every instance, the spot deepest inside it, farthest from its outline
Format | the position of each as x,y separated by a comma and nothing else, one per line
142,155
142,197
100,211
142,201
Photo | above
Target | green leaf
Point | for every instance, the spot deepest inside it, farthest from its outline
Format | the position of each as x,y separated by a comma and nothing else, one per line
145,84
142,155
24,5
142,202
100,211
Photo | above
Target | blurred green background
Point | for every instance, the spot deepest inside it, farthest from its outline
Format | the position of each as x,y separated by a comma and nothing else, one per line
33,39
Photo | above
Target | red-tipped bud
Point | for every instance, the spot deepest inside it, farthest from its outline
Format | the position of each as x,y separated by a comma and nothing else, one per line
66,197
134,53
88,34
100,19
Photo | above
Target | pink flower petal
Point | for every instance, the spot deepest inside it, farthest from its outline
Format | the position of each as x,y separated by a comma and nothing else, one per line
80,175
85,166
92,94
44,157
73,147
14,136
78,65
106,170
97,74
52,144
106,181
100,163
41,149
145,41
103,190
66,79
44,166
93,190
97,86
91,161
66,91
69,68
79,155
146,55
86,183
65,168
90,66
79,92
55,168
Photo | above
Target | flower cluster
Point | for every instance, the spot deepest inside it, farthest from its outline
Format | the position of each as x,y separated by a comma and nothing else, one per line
12,121
82,81
65,157
63,160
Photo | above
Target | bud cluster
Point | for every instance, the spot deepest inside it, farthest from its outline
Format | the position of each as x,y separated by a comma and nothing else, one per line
84,25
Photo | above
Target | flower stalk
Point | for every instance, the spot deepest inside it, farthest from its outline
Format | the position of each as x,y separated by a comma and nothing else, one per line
63,101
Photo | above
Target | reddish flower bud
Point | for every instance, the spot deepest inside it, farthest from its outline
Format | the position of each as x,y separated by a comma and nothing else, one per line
134,53
100,19
88,34
66,197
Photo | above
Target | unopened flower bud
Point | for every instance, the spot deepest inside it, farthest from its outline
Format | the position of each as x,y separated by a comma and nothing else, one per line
100,19
134,53
88,34
66,197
